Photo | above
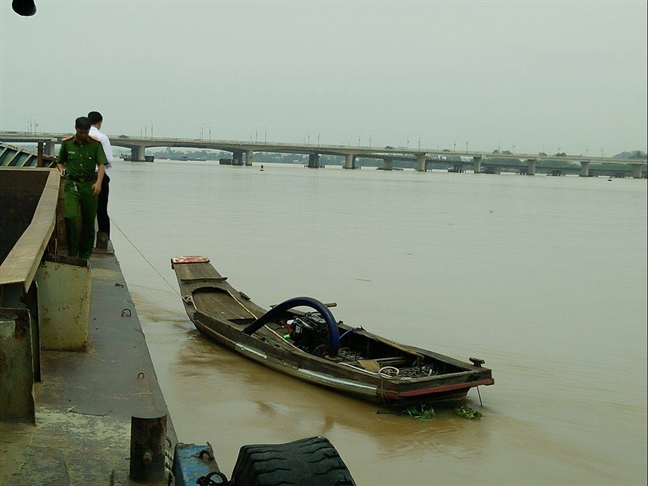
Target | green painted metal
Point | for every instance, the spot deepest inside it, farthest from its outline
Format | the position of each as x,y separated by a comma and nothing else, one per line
64,287
12,156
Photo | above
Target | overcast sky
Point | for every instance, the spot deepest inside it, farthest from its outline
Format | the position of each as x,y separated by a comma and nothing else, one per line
530,76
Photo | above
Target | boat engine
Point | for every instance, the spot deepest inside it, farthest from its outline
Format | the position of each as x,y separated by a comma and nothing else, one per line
310,333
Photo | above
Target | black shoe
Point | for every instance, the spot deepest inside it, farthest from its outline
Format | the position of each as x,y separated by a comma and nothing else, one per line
102,241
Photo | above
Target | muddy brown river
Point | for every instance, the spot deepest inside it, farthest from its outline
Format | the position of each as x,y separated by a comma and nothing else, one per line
543,277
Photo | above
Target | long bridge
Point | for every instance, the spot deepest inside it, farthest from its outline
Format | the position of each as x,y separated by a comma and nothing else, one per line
244,149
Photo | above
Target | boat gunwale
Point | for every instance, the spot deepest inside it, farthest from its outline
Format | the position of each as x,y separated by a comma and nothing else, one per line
21,264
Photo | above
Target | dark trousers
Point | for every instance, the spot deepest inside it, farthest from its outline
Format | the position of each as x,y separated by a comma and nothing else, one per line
103,221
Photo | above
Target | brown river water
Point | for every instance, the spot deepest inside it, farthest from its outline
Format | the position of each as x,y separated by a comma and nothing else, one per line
543,277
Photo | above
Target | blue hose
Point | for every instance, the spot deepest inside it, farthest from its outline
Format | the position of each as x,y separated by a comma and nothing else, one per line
334,335
349,330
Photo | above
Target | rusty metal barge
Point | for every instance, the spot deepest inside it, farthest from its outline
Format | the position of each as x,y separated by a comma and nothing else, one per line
76,377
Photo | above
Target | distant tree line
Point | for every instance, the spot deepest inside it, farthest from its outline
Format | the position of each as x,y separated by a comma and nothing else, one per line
443,162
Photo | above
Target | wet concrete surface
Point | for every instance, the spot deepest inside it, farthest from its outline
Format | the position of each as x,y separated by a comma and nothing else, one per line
85,401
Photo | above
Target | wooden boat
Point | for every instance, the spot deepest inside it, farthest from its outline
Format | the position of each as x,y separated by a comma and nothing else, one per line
315,348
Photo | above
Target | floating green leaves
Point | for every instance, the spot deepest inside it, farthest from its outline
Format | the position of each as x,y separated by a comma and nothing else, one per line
467,413
422,412
425,413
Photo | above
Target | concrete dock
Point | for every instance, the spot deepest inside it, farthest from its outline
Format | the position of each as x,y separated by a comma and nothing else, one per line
85,400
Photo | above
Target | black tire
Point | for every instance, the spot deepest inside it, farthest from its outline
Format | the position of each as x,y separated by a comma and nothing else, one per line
306,462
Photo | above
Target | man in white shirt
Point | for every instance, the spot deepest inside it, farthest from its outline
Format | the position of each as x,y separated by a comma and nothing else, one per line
103,220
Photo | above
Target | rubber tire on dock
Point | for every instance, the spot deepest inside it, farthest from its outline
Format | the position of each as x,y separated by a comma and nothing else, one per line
306,462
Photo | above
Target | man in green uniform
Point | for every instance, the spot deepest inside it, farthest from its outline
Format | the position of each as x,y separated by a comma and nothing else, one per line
81,163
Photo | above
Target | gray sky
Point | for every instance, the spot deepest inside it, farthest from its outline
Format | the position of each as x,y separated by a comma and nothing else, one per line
533,76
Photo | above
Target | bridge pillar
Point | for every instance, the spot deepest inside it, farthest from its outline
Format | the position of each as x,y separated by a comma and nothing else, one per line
249,157
349,161
237,158
388,164
50,148
636,171
477,160
137,153
457,167
531,167
313,161
421,161
584,168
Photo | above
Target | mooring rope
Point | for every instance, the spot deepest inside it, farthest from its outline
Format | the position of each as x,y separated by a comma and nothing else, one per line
145,259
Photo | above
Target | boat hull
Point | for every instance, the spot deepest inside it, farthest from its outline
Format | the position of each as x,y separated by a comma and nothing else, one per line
368,366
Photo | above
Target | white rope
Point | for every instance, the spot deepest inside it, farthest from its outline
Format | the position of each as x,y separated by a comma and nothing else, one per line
145,259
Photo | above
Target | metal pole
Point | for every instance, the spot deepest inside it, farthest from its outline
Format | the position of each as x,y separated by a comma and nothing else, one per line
39,163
